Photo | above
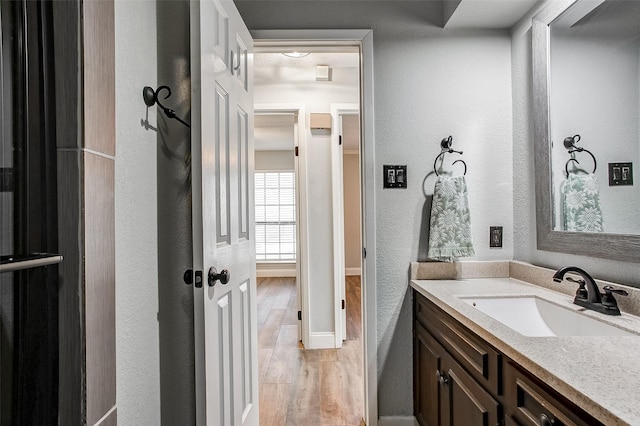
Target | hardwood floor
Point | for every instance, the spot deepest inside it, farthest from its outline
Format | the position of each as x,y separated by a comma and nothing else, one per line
301,387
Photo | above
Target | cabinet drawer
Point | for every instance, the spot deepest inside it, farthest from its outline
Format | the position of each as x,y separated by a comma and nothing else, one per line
531,402
474,354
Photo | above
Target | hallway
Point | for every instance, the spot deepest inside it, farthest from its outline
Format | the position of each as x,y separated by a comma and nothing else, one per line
306,387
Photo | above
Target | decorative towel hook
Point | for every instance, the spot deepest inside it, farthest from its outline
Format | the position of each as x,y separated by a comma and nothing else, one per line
566,165
151,98
445,145
570,143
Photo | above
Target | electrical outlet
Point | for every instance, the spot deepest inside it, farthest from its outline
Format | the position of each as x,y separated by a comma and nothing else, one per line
495,236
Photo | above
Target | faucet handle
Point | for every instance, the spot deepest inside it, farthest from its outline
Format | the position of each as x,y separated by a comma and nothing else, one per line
581,292
607,297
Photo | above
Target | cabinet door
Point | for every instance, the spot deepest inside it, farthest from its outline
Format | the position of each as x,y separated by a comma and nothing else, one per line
464,401
508,421
427,367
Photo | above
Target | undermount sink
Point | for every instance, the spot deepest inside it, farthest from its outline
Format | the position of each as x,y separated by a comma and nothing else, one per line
532,316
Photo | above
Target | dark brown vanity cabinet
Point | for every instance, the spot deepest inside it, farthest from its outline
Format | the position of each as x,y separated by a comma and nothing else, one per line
449,362
459,379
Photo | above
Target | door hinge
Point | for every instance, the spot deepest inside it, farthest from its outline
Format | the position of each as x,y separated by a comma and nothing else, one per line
297,153
364,253
344,304
299,315
340,140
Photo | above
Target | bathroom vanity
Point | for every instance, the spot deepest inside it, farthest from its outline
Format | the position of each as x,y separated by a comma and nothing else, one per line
473,369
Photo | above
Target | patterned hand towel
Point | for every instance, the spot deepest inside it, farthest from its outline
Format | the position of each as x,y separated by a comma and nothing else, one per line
581,203
450,227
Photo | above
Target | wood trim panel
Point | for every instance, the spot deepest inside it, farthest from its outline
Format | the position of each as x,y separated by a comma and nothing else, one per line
99,286
99,76
85,118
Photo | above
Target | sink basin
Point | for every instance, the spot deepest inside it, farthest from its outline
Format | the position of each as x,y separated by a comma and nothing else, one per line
532,316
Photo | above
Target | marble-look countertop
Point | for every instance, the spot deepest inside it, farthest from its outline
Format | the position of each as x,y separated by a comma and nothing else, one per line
600,374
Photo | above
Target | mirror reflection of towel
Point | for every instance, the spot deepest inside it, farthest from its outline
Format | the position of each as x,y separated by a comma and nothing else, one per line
450,225
581,203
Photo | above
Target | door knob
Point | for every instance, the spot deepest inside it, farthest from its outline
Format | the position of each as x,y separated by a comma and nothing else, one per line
440,378
214,276
546,421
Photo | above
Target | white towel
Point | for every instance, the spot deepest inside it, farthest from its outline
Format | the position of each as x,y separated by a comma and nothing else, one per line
450,225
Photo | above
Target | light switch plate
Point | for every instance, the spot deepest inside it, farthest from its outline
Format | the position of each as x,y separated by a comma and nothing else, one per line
394,176
621,174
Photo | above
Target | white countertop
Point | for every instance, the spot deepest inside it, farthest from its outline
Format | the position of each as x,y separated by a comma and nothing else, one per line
599,374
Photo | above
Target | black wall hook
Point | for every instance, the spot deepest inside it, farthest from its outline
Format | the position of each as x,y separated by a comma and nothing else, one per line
151,98
570,144
445,148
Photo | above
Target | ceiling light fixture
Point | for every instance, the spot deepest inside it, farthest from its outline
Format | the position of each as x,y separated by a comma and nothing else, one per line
296,54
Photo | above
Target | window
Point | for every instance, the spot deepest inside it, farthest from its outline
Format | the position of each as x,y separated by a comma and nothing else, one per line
275,216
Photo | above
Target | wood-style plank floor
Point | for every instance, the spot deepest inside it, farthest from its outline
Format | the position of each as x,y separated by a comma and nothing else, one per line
301,387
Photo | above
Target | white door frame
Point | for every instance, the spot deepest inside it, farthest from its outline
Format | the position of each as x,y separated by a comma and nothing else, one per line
302,247
337,110
364,40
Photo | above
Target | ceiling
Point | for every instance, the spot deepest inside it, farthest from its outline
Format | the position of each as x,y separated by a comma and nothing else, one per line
495,14
333,59
275,131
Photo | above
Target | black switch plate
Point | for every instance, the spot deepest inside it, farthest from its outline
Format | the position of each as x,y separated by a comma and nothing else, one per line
620,174
495,236
394,176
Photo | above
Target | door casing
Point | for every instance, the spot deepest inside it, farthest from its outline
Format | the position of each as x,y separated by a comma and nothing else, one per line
339,291
364,40
302,277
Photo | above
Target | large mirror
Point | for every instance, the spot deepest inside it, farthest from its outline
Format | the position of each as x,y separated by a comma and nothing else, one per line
586,70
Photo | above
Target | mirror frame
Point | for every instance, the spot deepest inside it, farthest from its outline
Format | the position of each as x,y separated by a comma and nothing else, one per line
624,247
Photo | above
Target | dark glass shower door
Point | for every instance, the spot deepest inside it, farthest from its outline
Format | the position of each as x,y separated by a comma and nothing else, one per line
28,217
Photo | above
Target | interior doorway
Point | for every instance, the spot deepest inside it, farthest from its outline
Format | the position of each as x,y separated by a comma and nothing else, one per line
293,90
295,95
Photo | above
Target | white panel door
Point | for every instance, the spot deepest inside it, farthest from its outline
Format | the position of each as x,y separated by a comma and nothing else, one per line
223,216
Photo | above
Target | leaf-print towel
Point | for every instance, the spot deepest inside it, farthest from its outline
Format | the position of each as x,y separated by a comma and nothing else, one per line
581,203
450,227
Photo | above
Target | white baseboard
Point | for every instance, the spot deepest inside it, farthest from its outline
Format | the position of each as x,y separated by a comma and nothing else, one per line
322,340
275,270
353,271
397,421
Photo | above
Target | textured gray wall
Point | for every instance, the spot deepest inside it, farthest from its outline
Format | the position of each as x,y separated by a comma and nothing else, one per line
153,204
175,299
524,177
429,83
137,337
